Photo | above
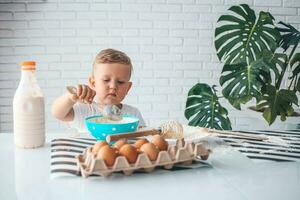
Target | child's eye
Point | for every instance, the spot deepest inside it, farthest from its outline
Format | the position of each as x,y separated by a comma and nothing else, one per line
105,80
121,82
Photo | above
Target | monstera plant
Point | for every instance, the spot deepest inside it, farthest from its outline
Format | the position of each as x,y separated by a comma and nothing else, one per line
254,52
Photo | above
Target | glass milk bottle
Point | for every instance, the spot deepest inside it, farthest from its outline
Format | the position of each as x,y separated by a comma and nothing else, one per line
29,110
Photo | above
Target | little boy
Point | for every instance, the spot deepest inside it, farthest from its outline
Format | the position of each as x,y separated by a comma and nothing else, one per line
108,85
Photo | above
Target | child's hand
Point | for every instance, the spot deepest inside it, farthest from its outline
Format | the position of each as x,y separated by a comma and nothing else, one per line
84,94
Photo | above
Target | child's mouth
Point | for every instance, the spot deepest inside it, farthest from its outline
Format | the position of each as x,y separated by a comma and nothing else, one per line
111,95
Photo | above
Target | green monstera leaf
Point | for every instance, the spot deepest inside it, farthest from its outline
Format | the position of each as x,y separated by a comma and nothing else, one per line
289,36
277,62
242,82
295,65
277,102
203,108
242,37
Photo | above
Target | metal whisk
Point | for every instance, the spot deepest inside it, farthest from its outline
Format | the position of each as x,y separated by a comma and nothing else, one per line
111,112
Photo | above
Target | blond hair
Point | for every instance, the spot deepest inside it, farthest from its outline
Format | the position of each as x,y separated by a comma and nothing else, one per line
112,56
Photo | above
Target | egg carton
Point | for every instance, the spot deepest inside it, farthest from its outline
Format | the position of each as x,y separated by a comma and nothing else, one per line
180,153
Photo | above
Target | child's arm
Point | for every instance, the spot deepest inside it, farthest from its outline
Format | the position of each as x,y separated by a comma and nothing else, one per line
62,107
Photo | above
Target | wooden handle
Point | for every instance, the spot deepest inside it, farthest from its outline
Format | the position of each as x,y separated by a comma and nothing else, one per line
257,137
115,137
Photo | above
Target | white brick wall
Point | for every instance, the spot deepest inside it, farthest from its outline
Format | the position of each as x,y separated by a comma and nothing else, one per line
169,41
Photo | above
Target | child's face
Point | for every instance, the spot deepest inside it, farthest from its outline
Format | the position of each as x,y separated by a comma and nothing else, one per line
111,82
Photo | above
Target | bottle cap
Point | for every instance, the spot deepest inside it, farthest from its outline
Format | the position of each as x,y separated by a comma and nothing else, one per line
28,65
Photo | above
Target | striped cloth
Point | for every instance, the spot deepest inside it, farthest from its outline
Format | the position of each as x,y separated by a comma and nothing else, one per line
64,150
268,151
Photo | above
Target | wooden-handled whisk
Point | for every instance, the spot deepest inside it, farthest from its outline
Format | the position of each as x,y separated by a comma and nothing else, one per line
170,129
174,130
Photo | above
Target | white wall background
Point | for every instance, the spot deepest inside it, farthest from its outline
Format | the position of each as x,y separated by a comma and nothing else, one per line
169,41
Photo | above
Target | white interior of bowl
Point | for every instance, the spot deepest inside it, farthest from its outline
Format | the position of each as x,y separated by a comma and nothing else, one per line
104,120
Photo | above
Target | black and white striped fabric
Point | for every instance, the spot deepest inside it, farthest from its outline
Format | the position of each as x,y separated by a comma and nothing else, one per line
64,150
267,151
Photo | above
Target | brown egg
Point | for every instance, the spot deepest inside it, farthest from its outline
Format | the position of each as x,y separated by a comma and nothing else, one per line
119,144
129,152
160,142
150,150
116,150
107,154
140,143
98,146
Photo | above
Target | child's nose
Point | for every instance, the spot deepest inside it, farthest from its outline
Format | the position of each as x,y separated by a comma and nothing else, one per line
113,85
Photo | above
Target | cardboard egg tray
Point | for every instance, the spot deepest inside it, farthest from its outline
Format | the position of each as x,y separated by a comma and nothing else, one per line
180,153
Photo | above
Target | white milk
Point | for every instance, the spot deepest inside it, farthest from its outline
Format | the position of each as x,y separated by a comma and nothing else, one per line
29,110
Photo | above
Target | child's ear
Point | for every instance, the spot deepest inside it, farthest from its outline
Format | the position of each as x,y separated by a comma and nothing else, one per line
92,82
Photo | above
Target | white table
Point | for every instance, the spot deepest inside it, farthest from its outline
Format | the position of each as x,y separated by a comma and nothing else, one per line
25,174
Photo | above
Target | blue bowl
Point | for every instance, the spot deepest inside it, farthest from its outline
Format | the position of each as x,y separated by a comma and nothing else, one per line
101,130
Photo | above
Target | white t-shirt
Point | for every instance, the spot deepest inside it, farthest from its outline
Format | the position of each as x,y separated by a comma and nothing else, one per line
81,111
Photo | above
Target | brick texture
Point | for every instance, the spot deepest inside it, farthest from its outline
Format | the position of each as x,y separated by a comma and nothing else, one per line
169,41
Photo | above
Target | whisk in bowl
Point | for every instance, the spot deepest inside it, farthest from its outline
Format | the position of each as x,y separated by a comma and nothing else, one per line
111,112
